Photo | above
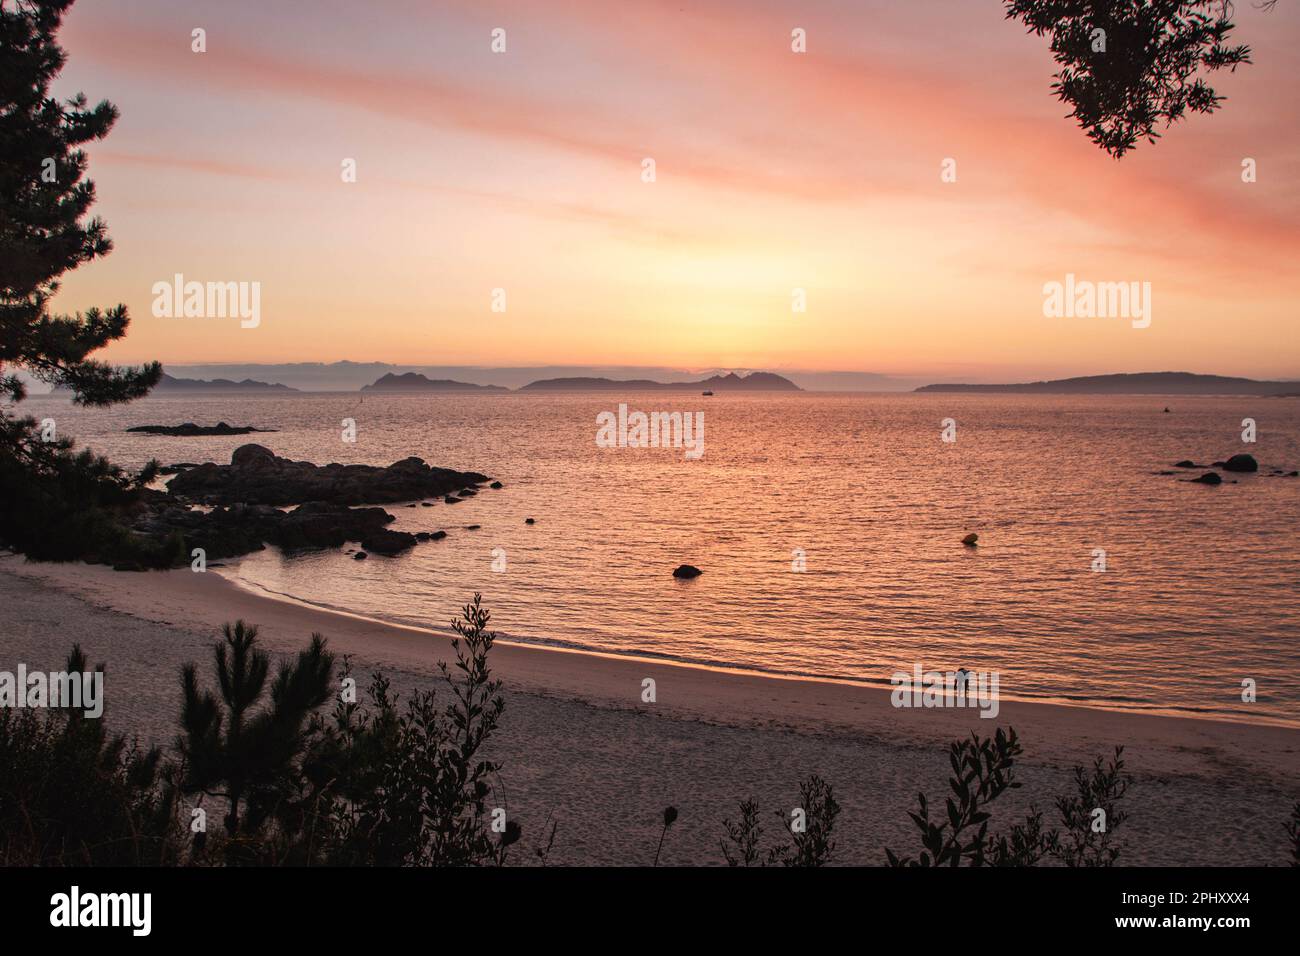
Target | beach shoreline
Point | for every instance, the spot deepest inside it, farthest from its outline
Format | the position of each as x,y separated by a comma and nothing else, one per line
578,725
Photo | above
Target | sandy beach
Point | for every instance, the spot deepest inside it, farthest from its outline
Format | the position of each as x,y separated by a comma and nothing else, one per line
580,746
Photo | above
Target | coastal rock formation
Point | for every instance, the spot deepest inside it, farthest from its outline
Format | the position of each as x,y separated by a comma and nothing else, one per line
971,540
227,532
686,571
1241,463
257,476
190,430
1209,478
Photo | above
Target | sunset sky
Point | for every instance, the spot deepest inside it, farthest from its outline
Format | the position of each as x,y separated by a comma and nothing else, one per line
775,171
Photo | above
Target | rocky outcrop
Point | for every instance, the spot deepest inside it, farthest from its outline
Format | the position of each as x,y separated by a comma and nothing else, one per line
1241,463
247,499
686,571
189,429
239,529
257,476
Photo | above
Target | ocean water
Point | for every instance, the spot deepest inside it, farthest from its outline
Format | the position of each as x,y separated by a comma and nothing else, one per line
1199,594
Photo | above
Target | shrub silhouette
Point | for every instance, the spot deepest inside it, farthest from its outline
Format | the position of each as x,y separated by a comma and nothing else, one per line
982,770
810,845
410,788
71,795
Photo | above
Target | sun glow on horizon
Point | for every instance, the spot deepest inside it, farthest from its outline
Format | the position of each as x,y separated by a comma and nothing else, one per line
774,172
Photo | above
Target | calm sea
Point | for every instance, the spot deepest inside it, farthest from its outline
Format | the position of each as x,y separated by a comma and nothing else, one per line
1199,591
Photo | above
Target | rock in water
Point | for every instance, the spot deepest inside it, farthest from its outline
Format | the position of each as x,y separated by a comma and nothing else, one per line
530,521
256,475
1209,478
1241,463
359,556
388,542
687,571
1187,463
191,430
970,540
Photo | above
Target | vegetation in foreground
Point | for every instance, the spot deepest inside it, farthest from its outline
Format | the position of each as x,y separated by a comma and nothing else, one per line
264,771
295,767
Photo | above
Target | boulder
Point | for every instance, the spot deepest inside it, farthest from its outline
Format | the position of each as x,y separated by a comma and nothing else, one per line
388,542
1187,463
686,571
1241,463
971,540
1209,478
359,556
496,484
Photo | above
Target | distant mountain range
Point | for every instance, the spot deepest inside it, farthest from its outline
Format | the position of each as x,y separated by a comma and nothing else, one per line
1141,383
169,384
415,382
753,382
384,377
348,376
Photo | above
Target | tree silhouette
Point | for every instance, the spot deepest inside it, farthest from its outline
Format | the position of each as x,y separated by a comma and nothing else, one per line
61,505
44,199
240,748
1128,66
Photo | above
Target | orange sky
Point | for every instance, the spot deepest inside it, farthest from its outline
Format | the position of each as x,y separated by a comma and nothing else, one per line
775,171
